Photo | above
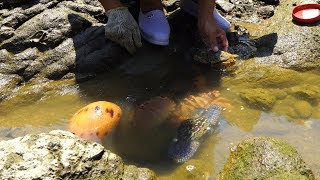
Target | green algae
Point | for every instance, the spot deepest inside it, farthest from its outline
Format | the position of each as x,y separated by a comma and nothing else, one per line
132,172
258,98
262,158
289,176
308,92
255,75
294,109
274,89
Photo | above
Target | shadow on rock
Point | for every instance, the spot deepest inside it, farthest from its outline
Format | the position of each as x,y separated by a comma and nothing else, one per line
246,47
93,53
266,44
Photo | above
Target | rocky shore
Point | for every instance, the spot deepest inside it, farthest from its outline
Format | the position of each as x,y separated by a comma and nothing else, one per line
62,155
45,41
49,47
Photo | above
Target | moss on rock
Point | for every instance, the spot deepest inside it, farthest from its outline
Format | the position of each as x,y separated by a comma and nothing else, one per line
294,108
308,92
258,98
133,172
263,158
251,74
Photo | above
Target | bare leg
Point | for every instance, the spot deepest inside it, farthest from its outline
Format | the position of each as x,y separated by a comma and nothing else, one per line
148,5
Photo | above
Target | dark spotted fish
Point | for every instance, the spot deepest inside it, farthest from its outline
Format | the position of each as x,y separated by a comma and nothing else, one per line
192,132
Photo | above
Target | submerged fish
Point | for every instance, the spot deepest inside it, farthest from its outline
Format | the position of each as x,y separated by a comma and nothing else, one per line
95,121
192,132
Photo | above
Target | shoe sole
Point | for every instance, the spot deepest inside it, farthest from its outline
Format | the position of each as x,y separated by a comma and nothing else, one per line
153,41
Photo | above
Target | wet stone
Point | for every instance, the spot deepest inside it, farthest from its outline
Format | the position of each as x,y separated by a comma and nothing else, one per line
28,54
266,11
7,84
55,71
4,56
14,20
258,98
264,158
84,8
225,6
6,33
301,109
62,155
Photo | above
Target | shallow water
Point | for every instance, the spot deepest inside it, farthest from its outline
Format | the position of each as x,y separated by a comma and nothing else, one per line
173,75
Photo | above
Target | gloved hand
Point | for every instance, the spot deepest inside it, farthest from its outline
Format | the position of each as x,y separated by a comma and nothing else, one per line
123,29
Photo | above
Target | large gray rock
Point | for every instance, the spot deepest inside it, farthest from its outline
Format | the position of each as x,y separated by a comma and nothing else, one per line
48,29
54,40
295,46
62,155
265,158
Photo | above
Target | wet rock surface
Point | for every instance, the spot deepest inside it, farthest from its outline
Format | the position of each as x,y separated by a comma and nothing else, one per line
295,46
61,39
53,40
60,154
263,157
274,89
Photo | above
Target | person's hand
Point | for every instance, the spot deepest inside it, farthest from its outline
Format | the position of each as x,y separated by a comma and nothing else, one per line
123,29
212,35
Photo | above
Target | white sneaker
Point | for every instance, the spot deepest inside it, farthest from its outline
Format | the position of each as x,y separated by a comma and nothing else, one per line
191,7
154,27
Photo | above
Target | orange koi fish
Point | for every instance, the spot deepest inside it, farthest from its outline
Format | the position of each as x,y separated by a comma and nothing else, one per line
95,121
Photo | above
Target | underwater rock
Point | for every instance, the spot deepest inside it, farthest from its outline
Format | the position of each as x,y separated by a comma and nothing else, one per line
193,169
295,109
132,172
96,120
306,92
62,155
36,90
258,98
265,76
264,158
192,132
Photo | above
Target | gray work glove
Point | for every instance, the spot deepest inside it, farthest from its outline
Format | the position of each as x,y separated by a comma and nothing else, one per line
123,29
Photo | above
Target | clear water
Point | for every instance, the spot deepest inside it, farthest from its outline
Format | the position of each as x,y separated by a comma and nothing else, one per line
171,74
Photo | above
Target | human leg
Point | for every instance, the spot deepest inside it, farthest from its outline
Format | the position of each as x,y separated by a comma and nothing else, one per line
191,7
